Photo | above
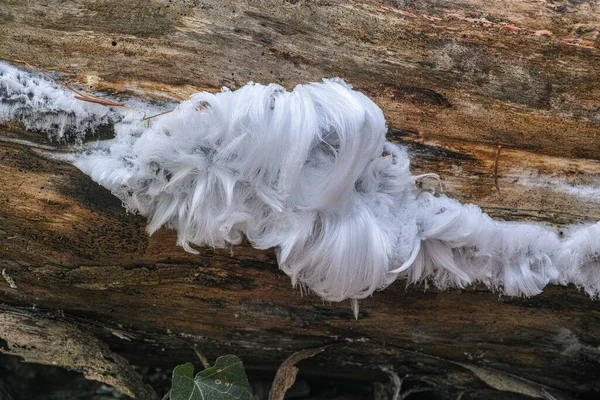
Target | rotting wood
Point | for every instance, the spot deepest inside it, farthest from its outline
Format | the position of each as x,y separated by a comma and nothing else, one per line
42,340
454,79
496,161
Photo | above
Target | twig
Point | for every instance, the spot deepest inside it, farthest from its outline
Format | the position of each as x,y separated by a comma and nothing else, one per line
397,381
166,396
202,358
157,115
103,102
496,168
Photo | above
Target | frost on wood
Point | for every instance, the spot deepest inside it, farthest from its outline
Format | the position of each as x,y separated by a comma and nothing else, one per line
44,105
310,173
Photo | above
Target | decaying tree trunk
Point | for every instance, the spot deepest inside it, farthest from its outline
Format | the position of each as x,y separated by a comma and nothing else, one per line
455,79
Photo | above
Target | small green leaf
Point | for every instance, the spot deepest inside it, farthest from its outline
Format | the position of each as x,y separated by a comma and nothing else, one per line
183,381
226,380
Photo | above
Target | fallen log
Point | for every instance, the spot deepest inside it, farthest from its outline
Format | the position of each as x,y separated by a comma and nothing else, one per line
455,81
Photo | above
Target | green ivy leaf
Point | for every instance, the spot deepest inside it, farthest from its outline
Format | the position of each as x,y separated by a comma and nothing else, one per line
226,380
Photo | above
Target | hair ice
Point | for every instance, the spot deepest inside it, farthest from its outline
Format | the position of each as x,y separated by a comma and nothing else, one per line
309,173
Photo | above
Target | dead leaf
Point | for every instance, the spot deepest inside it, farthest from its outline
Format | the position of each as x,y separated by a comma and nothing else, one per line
286,374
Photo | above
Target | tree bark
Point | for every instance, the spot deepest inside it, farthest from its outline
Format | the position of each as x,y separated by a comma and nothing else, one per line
455,79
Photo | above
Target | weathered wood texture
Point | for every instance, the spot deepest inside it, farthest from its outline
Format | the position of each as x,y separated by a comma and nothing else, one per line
455,80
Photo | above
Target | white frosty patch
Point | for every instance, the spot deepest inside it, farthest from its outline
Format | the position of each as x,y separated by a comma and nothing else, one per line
310,173
45,106
580,190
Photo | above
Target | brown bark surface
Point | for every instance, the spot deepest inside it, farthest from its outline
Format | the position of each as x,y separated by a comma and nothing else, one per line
455,79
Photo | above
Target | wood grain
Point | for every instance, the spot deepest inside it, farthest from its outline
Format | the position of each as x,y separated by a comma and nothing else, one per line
455,79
